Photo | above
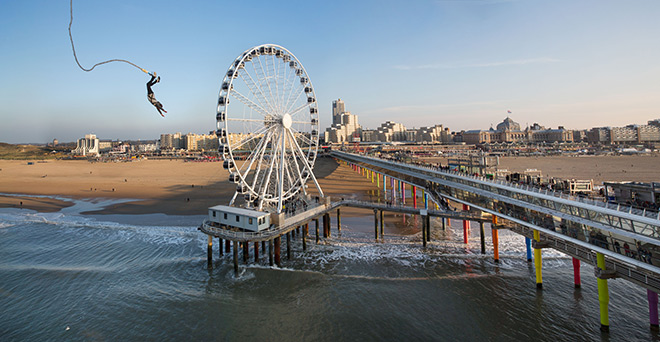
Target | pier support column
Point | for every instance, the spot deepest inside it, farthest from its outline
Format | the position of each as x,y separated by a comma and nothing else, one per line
235,258
278,242
220,246
288,246
444,227
603,295
576,273
256,251
466,225
317,230
376,223
528,247
338,222
227,246
424,230
538,261
428,227
653,309
426,200
482,237
414,196
270,253
382,230
304,236
263,246
246,251
209,253
496,241
403,192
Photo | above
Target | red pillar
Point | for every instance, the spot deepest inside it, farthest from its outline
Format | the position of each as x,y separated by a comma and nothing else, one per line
576,272
414,194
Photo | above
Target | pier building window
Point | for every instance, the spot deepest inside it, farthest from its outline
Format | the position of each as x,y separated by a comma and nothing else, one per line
238,218
225,216
250,221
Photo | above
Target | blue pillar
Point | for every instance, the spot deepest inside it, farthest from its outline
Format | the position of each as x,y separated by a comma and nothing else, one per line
426,201
528,243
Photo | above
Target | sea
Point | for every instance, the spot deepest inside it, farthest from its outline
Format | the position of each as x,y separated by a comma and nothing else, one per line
70,277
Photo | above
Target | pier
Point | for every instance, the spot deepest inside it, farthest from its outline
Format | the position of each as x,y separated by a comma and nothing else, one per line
619,242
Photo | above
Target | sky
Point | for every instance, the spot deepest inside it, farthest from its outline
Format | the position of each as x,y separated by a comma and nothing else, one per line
460,63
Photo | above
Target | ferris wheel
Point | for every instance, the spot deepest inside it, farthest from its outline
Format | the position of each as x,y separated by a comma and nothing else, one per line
268,126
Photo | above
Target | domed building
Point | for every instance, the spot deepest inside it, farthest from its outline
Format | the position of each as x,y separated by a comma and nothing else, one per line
508,125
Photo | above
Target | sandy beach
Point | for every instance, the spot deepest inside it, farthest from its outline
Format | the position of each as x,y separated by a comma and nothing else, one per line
188,188
159,186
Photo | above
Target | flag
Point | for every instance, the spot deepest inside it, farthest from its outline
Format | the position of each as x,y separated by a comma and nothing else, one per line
508,111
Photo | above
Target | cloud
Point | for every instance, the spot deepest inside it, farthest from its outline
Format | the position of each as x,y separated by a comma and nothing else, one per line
540,60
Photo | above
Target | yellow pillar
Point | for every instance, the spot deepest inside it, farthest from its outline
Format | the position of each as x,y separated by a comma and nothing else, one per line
603,295
537,261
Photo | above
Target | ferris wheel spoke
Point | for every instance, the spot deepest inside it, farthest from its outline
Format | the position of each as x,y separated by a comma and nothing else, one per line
297,110
280,188
276,73
246,101
266,77
250,137
267,178
252,85
261,158
251,157
292,87
303,158
302,137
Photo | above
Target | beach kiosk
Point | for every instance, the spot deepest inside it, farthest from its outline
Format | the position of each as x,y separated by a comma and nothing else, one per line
247,219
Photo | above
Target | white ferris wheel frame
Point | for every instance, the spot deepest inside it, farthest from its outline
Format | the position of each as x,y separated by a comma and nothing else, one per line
278,146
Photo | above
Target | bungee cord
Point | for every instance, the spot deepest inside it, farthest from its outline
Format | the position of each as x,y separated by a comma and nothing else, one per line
100,63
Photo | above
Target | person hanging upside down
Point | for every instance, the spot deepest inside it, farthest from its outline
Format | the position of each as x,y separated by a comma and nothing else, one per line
150,94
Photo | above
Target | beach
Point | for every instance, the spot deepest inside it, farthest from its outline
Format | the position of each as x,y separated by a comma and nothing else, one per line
177,187
173,187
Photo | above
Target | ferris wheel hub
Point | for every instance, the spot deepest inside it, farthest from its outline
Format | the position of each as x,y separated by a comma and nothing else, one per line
286,120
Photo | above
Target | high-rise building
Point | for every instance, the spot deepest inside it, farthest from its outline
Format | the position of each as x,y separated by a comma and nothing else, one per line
345,126
337,110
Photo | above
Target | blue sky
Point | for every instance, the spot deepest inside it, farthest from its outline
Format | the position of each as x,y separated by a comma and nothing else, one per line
461,63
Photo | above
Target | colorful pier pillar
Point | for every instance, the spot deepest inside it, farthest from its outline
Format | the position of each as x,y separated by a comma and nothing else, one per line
496,242
384,185
576,273
402,185
603,295
653,309
466,225
414,195
538,261
426,200
528,245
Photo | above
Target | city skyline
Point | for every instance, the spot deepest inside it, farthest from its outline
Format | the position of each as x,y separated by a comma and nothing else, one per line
456,63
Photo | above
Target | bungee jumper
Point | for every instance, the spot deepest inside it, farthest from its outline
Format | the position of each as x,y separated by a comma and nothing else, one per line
150,94
154,79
